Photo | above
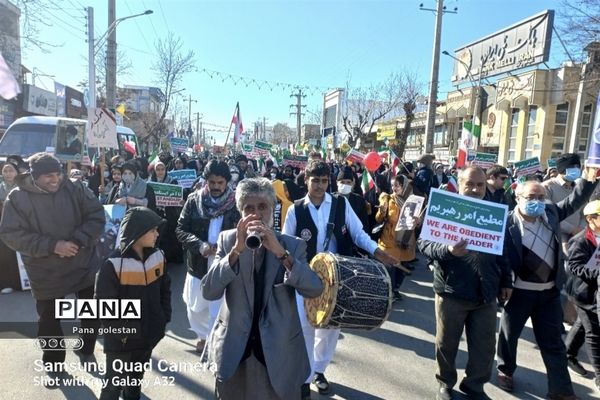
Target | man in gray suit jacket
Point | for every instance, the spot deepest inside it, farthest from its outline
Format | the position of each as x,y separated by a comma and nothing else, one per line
256,345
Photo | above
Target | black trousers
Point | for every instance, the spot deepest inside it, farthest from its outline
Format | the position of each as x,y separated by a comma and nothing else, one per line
589,321
50,328
575,338
545,311
130,360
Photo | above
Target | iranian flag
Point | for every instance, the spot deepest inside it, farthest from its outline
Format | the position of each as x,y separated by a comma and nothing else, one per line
152,160
469,132
394,163
129,146
236,120
367,181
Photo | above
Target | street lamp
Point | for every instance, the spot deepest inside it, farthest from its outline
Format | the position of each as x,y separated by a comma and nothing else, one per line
93,49
477,104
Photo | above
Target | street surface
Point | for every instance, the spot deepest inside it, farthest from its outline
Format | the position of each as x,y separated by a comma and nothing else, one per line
393,362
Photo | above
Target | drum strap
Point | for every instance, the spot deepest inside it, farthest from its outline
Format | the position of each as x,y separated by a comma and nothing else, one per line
331,222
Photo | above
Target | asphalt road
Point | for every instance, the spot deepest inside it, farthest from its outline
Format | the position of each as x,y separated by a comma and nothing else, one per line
393,362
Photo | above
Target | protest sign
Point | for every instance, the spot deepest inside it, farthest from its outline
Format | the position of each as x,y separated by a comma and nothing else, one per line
102,128
451,217
109,239
167,195
295,161
355,156
551,163
70,137
262,149
411,210
25,285
593,159
485,160
529,166
185,177
179,145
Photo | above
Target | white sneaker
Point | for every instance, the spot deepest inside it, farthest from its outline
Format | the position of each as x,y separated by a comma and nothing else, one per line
6,290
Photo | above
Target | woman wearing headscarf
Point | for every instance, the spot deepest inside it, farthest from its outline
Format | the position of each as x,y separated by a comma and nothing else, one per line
167,241
9,268
399,244
133,190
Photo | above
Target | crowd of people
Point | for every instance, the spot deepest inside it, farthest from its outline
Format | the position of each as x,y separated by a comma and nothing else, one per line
246,305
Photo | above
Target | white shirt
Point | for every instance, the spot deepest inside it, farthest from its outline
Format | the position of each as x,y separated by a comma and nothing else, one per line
320,218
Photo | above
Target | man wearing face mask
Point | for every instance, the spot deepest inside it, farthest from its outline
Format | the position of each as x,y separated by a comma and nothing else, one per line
534,251
559,188
345,183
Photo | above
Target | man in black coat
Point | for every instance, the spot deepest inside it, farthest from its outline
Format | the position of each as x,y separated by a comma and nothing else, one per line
466,284
535,254
55,224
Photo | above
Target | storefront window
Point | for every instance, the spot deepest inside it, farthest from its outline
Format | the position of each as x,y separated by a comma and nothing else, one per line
584,132
512,138
560,130
530,132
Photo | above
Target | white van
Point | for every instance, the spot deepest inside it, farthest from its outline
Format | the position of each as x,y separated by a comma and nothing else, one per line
30,135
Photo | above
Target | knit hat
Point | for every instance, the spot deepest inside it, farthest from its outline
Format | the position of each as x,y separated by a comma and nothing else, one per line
345,173
43,163
566,161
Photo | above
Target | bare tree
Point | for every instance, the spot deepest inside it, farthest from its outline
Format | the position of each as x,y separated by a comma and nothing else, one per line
171,65
283,134
124,67
365,107
34,15
579,24
411,90
314,115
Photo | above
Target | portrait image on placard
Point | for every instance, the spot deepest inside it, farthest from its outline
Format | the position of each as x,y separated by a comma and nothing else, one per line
70,137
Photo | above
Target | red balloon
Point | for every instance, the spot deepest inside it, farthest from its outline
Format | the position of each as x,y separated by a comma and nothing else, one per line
372,161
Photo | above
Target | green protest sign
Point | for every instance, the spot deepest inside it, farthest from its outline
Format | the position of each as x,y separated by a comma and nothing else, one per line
551,163
295,161
529,166
485,160
167,195
451,217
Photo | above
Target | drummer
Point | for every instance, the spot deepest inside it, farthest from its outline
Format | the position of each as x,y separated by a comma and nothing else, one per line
309,220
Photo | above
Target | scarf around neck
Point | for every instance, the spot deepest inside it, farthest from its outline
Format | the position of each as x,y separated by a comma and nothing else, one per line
209,209
137,189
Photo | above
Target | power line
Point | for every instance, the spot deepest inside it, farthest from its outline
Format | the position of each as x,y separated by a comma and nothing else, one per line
163,15
151,23
66,23
138,26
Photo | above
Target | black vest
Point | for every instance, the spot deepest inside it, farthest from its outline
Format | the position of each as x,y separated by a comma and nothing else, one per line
305,223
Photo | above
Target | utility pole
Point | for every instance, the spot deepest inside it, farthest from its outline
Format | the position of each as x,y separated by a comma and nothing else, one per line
189,131
91,59
264,130
111,58
299,96
435,70
198,124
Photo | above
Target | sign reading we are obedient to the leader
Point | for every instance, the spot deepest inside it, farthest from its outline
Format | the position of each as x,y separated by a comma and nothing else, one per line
451,218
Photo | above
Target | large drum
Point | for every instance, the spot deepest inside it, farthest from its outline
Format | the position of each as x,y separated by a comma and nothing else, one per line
357,293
